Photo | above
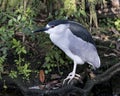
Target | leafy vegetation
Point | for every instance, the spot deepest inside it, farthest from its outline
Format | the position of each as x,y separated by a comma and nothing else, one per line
13,24
55,58
117,24
21,65
22,49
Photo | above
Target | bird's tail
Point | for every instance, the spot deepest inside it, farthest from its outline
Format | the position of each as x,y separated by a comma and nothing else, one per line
98,63
95,63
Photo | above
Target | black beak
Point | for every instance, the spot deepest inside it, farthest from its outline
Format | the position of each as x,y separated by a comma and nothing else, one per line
40,30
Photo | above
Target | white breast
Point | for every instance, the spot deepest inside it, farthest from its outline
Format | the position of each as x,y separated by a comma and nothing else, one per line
62,40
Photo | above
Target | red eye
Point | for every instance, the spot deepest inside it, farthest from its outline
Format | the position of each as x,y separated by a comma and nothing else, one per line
52,26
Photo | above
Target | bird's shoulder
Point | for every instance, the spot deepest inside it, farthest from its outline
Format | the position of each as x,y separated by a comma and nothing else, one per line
81,32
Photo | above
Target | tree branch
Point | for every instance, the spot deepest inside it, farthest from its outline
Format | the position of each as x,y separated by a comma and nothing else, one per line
69,89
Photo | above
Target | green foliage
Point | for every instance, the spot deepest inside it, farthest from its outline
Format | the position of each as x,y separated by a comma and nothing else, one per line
13,23
55,58
2,59
13,3
106,22
69,7
4,85
24,70
5,36
21,64
117,24
19,49
17,17
13,74
59,14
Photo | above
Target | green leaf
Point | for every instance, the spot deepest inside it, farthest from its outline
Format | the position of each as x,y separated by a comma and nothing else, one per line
83,12
13,74
47,59
14,19
19,17
10,22
46,71
23,50
23,18
61,61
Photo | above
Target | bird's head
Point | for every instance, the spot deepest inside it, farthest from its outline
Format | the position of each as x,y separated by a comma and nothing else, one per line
53,26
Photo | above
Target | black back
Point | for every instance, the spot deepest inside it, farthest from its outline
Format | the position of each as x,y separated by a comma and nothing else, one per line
76,28
57,22
81,32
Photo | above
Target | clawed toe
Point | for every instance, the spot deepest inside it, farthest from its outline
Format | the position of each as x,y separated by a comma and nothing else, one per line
70,77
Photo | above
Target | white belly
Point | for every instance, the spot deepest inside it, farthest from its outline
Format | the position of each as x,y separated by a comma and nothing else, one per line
63,43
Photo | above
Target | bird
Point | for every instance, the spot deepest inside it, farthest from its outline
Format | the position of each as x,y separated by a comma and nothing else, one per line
75,41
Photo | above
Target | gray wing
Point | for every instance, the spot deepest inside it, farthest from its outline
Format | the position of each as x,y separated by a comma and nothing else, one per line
81,32
86,51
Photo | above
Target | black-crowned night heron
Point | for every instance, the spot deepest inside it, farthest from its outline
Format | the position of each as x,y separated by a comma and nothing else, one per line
73,39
